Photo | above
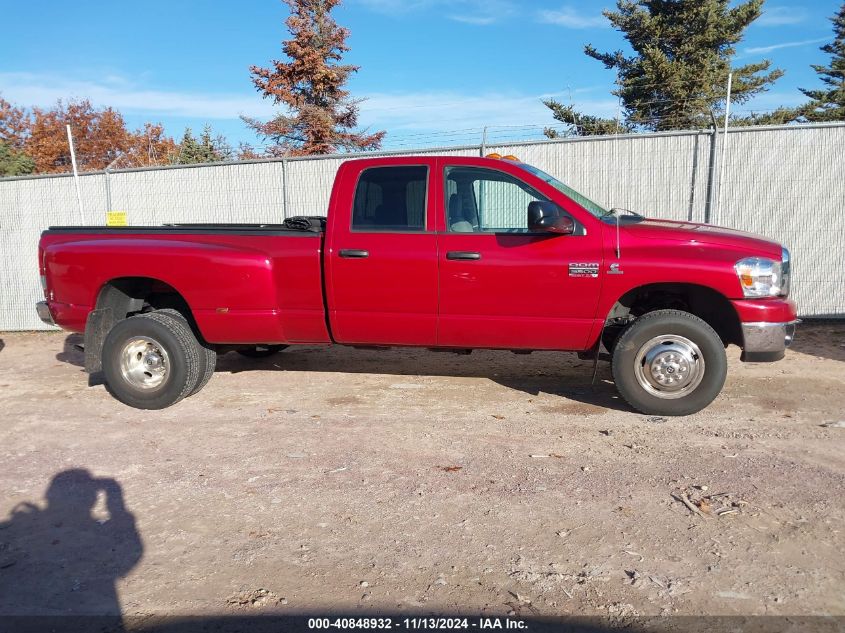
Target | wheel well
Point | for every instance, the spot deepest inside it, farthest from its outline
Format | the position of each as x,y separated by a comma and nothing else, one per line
124,297
132,295
707,304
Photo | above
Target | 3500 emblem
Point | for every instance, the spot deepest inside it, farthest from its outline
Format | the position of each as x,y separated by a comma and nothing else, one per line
581,269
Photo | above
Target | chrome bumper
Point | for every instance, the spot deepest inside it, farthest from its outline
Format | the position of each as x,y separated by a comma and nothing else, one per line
765,342
44,313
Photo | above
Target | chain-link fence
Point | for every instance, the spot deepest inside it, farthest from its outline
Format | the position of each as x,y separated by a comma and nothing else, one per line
785,182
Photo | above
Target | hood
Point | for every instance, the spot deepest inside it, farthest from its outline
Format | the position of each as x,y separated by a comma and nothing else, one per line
692,232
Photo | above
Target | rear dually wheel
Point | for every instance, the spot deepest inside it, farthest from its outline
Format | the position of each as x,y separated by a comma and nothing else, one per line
151,360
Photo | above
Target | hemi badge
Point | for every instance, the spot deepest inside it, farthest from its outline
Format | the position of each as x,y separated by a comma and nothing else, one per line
581,269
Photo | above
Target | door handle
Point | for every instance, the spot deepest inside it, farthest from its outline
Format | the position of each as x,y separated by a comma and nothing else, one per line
463,255
354,253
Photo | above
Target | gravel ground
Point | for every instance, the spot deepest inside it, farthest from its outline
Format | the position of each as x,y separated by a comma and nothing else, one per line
410,480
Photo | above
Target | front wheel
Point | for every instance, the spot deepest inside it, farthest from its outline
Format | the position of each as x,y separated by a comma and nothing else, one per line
669,362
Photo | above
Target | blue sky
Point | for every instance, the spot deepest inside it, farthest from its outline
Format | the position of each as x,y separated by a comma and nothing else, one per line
432,71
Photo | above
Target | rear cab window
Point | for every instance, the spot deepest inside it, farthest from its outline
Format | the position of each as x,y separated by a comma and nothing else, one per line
391,199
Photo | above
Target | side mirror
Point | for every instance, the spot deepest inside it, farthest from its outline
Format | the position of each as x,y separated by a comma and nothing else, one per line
547,217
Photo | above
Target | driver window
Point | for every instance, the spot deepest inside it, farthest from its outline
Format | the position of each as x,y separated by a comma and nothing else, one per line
480,200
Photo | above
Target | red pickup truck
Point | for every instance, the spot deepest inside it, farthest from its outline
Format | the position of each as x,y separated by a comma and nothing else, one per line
447,252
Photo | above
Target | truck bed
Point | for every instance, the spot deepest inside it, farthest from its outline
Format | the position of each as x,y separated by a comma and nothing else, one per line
244,282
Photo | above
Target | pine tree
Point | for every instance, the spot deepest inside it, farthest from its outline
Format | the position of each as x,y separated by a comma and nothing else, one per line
14,162
828,104
193,151
678,73
189,149
321,118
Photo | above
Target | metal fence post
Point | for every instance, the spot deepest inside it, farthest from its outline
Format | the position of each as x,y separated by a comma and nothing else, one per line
108,191
285,188
723,157
711,174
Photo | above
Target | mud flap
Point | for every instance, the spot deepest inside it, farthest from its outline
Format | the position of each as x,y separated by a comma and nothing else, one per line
97,326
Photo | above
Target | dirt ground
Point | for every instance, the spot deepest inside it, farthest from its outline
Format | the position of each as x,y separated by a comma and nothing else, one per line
415,481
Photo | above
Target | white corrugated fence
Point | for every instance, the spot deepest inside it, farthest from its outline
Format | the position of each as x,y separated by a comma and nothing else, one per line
785,182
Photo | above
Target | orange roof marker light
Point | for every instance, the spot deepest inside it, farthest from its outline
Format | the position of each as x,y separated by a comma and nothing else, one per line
495,156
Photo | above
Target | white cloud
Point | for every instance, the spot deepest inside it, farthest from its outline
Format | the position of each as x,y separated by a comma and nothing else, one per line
476,12
768,49
126,96
479,20
768,101
397,6
780,16
448,118
418,119
571,18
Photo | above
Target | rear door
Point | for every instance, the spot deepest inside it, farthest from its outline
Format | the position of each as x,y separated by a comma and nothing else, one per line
500,285
382,256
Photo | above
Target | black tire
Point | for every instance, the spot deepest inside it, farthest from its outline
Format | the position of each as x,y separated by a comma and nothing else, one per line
208,355
710,363
261,351
169,335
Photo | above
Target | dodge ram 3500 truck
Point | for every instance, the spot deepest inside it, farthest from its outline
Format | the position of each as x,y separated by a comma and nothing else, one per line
445,252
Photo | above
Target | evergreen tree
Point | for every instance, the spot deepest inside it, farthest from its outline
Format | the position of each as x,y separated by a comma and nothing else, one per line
189,149
679,70
320,117
206,149
14,162
828,104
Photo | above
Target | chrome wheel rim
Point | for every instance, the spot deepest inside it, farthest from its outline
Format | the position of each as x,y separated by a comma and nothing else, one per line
669,366
144,363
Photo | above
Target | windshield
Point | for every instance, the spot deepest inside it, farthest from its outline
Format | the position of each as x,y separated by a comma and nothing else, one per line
596,209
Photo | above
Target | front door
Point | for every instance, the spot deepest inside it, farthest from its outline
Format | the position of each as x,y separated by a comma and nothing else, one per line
382,264
502,286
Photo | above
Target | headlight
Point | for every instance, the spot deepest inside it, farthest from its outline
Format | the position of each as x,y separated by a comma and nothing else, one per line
761,277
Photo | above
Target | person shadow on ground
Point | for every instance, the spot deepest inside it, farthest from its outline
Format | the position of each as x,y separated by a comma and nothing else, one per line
60,560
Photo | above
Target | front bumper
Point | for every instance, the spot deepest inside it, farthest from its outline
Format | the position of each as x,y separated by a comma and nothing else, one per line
44,313
765,342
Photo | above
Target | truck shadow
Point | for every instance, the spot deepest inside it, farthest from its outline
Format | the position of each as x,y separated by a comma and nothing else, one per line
70,353
555,373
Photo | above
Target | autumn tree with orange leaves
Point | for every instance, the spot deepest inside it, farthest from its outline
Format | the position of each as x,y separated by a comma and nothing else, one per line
320,117
100,137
